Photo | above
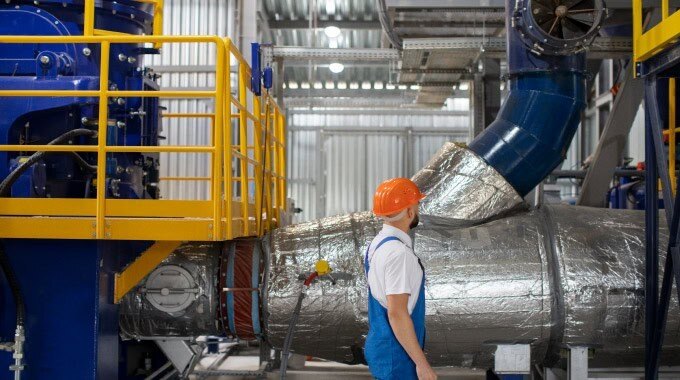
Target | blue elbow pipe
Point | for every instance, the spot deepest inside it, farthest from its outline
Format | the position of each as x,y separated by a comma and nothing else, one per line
541,113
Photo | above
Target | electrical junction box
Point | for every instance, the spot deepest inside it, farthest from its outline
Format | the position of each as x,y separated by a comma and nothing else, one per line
513,359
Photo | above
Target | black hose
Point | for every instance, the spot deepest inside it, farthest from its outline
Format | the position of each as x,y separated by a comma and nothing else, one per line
6,184
285,352
13,285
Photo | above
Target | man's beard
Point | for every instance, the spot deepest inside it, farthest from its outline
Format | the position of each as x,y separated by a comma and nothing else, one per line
414,223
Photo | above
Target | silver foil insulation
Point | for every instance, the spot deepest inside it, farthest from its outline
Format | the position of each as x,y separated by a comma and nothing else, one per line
552,277
192,270
460,185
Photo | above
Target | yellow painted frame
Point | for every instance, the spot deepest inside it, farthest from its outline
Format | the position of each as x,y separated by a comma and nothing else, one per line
659,37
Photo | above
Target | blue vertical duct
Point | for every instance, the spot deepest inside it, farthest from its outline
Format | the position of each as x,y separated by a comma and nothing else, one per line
547,90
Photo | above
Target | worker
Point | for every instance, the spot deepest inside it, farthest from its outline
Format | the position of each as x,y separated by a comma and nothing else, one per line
396,288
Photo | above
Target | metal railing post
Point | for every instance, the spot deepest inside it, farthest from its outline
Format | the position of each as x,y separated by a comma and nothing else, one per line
88,21
100,223
218,141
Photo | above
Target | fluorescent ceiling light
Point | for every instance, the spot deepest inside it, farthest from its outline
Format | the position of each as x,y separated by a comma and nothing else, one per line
390,86
318,85
463,86
292,85
342,85
354,85
330,85
304,85
378,85
403,87
366,85
332,31
336,67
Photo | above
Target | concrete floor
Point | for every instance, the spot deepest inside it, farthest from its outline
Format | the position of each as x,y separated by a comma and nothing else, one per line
319,370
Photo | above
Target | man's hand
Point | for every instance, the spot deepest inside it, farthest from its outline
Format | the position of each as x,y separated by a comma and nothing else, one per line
402,325
425,372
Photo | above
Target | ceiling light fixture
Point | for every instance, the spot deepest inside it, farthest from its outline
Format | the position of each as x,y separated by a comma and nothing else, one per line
332,31
336,67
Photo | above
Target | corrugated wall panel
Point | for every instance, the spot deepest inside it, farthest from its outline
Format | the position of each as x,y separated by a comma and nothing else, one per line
302,172
335,161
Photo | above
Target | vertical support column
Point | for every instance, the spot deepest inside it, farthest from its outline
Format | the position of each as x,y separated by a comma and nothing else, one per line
486,95
671,129
100,224
477,106
651,242
637,27
248,24
577,368
243,144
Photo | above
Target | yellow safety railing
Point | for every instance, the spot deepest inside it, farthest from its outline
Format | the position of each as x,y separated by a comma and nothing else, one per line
223,217
659,37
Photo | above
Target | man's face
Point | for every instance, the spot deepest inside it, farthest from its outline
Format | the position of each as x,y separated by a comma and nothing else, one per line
415,219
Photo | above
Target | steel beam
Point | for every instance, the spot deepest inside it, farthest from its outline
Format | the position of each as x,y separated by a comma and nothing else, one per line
350,103
336,55
612,144
320,24
349,93
494,47
378,111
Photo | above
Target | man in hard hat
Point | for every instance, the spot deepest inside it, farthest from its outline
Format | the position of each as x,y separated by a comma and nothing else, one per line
396,288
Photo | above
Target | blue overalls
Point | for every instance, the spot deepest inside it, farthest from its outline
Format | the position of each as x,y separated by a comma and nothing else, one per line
385,356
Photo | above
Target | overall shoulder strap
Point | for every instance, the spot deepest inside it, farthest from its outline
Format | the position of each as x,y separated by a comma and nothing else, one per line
383,241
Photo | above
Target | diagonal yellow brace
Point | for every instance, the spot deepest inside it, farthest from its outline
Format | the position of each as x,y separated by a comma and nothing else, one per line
142,266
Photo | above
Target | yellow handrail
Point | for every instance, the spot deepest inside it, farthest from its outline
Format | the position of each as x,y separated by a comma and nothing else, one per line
225,216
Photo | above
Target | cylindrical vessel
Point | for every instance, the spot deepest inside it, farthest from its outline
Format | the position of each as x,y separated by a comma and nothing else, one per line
552,277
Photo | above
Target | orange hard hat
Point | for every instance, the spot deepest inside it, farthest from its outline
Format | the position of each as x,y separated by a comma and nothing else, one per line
395,195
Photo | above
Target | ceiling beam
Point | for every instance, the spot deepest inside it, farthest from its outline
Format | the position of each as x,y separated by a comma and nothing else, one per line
335,55
342,24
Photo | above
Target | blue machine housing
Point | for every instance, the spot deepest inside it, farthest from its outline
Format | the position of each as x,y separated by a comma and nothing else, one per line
133,121
71,321
539,118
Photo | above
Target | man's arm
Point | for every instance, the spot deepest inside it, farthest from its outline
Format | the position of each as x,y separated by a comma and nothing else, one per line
402,325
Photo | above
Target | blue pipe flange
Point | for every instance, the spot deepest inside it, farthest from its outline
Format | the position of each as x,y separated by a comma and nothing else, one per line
558,27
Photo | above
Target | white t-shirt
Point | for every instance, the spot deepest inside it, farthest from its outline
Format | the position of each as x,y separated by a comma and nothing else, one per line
394,268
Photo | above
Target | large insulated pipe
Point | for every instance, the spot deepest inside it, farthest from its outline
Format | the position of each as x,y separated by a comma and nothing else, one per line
554,277
546,40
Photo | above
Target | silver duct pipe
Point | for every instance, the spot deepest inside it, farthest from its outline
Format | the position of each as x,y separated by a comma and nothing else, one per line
552,277
462,186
